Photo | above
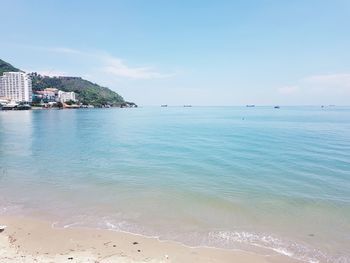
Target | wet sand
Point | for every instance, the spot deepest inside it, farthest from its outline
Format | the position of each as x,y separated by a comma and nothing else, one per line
28,240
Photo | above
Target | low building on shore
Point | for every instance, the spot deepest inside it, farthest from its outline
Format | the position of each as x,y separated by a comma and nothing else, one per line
53,95
46,95
66,96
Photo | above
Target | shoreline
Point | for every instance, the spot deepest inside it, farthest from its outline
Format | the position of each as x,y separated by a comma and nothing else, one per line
28,240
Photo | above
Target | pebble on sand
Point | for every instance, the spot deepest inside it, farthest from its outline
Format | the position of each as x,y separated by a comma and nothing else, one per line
2,228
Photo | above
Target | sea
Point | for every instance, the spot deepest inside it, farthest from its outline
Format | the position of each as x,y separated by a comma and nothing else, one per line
258,179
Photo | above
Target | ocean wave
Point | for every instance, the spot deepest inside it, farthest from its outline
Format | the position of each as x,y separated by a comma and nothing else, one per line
288,248
261,243
242,240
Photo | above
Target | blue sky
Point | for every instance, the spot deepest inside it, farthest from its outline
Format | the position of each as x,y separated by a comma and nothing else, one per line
188,52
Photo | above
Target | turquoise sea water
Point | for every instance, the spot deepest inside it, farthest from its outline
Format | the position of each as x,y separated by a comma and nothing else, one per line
259,179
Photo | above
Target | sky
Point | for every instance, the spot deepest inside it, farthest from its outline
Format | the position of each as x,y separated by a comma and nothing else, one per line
198,52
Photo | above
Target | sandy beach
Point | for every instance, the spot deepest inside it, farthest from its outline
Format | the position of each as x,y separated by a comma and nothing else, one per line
175,131
28,240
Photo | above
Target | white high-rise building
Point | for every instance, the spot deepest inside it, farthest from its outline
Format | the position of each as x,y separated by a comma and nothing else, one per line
16,86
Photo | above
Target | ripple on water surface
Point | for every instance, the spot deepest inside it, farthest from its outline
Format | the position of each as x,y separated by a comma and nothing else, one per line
248,178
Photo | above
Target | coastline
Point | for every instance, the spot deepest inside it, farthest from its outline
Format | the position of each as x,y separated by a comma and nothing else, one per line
28,240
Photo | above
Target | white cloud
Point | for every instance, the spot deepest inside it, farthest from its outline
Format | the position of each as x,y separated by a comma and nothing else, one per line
118,68
320,84
113,65
64,50
337,82
330,78
288,90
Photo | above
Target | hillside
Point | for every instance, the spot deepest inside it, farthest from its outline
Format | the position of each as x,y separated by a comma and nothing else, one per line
87,92
6,67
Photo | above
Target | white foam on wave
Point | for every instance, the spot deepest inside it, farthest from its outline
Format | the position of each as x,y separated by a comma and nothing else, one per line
241,240
228,239
8,208
119,226
70,225
128,228
288,248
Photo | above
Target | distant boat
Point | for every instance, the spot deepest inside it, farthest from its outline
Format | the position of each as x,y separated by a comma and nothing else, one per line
187,105
277,107
164,105
250,105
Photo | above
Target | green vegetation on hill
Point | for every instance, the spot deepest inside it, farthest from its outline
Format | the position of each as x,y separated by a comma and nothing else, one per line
87,92
6,67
